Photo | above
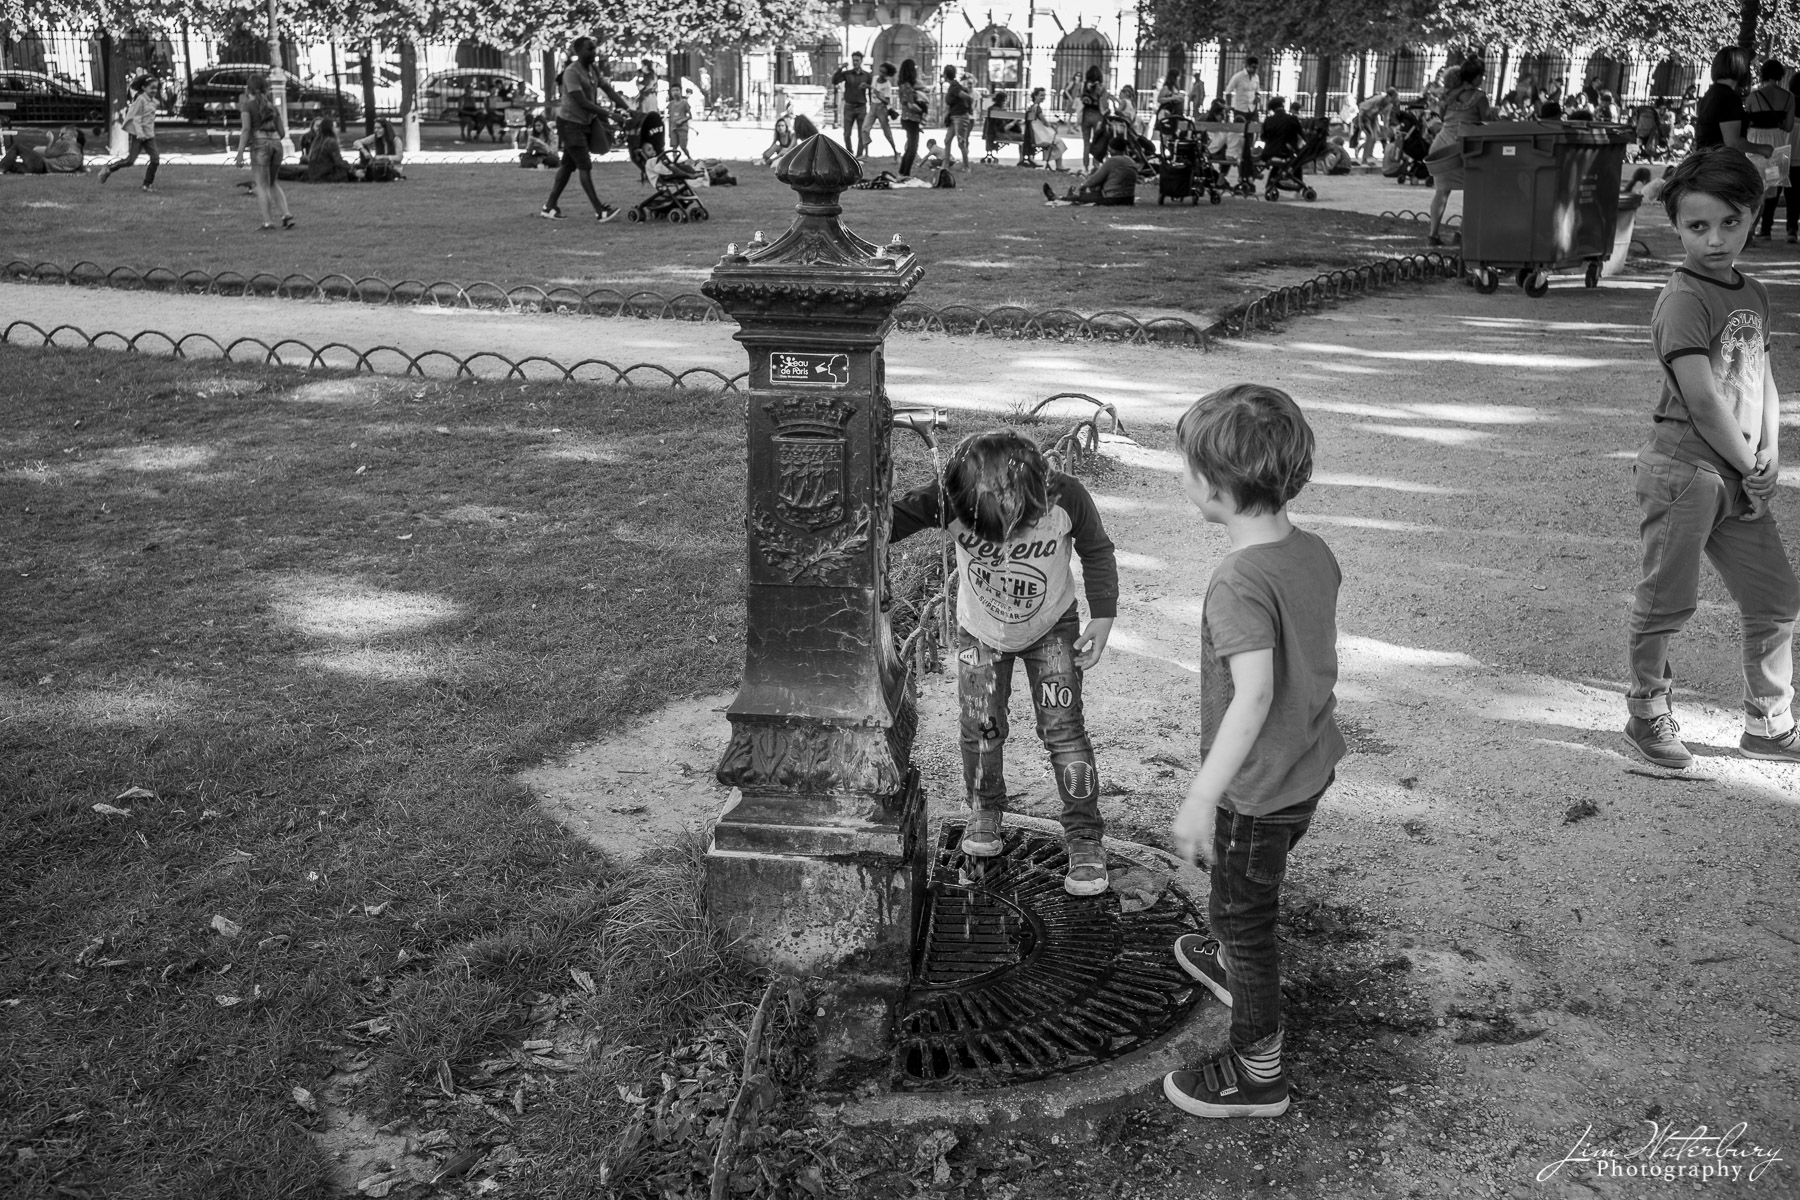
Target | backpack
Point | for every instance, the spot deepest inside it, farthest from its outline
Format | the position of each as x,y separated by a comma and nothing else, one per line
944,179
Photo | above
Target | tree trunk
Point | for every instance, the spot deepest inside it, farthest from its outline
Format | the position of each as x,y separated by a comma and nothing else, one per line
368,88
409,94
1748,12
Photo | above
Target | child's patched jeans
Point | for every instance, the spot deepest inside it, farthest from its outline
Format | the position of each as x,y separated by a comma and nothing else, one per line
984,686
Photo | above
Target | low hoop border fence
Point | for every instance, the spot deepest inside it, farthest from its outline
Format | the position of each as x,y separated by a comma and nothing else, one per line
379,360
1004,321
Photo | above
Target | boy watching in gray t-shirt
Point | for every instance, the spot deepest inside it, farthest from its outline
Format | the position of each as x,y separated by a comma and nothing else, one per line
1271,744
1705,478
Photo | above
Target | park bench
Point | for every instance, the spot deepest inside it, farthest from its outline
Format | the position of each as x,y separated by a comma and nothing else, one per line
1003,127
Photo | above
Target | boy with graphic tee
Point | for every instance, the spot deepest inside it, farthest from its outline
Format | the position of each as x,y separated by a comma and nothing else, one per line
1268,735
1015,522
1705,478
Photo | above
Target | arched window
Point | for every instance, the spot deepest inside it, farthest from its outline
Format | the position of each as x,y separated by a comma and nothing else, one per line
1402,70
1546,72
1155,59
897,43
1605,73
1340,80
995,58
1672,77
1079,50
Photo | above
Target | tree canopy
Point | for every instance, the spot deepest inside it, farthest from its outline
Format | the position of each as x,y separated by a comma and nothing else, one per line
624,26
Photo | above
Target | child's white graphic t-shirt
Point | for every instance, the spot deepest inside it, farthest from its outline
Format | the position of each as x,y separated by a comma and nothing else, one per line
1729,324
1010,594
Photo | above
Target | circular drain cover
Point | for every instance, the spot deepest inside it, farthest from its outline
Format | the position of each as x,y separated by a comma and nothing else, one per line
1018,980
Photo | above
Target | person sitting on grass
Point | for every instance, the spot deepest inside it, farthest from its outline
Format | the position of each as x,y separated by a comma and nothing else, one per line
380,155
1113,182
1269,740
1015,523
933,159
1706,477
537,145
322,161
61,155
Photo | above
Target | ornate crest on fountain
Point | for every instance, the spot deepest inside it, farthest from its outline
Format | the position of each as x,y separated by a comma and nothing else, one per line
817,268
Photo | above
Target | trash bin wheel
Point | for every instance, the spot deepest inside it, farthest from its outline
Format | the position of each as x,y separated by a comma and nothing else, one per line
1592,278
1538,283
1523,277
1309,194
1487,280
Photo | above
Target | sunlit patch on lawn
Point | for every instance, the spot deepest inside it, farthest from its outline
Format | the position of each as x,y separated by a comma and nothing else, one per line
45,204
161,456
1139,562
575,448
482,514
324,606
361,390
374,662
133,704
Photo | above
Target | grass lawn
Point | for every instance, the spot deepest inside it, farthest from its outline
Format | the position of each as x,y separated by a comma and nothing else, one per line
319,622
989,242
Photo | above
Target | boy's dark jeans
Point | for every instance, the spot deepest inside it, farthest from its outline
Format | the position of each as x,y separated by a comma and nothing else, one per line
984,686
1249,861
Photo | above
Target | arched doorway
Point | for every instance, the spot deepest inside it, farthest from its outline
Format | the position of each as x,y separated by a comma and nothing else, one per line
995,59
1672,78
1154,62
1403,70
1546,72
897,43
1079,50
1340,80
1604,73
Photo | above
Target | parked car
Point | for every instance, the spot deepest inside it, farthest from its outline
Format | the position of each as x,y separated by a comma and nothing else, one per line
37,99
212,97
441,97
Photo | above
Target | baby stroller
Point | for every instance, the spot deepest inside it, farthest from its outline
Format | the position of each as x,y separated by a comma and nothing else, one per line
1137,145
1650,132
674,199
1406,163
1287,172
644,141
1183,170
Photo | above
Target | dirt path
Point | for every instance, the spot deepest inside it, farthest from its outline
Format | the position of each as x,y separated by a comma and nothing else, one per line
1503,929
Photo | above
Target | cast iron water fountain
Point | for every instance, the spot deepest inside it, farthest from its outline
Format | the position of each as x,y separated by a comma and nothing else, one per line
826,863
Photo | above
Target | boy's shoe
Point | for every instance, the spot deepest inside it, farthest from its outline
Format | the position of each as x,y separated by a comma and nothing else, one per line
1785,748
147,187
1658,739
550,214
607,212
105,174
1087,868
1050,193
981,836
1220,1088
1199,957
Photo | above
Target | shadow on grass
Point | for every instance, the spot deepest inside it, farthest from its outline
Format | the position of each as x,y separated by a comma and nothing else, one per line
320,623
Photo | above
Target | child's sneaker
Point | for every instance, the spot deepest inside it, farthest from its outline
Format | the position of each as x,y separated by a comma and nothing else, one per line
981,836
1087,868
607,212
1658,739
1221,1088
1199,957
1785,748
550,214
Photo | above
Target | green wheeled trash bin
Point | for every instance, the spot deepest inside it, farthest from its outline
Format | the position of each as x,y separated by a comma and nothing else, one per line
1539,198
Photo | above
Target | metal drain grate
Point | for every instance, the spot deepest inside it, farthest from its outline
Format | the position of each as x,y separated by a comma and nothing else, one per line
1018,980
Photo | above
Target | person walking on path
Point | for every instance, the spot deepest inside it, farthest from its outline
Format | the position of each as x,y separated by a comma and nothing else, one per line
264,132
1015,524
881,109
913,106
1707,476
1770,112
855,105
1464,105
1094,103
1722,119
1269,738
575,119
959,115
139,122
1242,93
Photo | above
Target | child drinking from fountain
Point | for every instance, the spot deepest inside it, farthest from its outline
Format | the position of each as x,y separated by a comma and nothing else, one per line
1270,743
1015,522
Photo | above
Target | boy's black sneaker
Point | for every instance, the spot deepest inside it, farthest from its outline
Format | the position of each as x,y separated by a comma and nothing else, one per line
607,212
1087,874
1199,957
1220,1088
1785,748
981,836
1658,739
550,214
